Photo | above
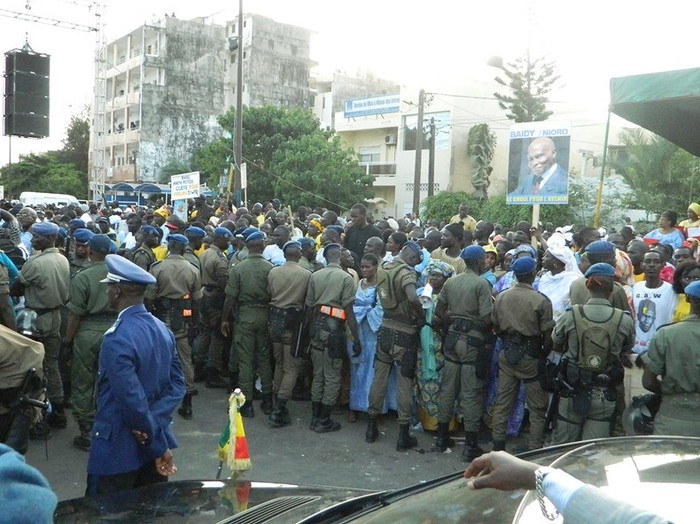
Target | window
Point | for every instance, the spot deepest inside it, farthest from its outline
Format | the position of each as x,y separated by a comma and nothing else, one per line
442,130
368,154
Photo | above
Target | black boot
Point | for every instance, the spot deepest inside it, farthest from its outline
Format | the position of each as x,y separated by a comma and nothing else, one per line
471,447
372,432
214,379
200,373
325,423
443,441
82,441
266,404
247,410
499,445
315,414
406,441
185,410
280,415
57,418
232,381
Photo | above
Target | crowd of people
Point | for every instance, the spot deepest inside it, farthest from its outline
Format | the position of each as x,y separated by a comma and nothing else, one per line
447,323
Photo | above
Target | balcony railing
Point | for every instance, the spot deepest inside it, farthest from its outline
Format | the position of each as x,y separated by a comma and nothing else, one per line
379,168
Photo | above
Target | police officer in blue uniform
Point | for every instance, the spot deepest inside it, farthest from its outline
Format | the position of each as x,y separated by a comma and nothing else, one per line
139,385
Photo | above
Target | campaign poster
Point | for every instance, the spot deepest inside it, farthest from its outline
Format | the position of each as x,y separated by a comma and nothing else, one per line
538,163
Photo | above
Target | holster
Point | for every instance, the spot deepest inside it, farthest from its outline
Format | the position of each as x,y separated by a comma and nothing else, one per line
277,323
337,344
409,362
483,358
513,351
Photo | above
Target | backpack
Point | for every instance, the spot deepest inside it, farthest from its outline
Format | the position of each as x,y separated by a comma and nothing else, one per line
595,339
385,286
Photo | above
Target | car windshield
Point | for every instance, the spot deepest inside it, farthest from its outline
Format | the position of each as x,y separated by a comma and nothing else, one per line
631,469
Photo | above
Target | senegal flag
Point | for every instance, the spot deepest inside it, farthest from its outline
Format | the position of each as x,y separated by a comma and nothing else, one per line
233,446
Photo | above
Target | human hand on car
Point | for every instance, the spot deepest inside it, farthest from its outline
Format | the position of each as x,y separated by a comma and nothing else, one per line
501,471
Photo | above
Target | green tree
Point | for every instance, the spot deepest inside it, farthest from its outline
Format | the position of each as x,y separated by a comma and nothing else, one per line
661,175
43,173
481,144
443,205
530,81
76,144
273,141
173,167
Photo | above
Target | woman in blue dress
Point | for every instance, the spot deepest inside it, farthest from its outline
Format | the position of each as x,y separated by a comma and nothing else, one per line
369,314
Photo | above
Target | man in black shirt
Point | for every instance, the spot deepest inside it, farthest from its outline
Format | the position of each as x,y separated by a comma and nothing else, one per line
357,234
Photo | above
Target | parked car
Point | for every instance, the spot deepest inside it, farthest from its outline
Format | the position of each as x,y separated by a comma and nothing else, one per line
660,474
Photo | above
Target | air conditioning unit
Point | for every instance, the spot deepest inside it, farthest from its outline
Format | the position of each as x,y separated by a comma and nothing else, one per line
390,140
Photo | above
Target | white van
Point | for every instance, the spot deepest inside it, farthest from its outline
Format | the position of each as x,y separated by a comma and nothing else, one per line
30,198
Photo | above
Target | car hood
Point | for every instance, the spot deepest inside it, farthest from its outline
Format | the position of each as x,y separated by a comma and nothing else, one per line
235,501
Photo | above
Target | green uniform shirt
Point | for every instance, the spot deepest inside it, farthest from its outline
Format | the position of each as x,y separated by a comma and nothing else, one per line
88,296
405,278
467,296
192,258
247,281
175,278
143,257
523,310
214,269
287,285
579,294
303,262
46,278
674,354
597,310
330,286
78,264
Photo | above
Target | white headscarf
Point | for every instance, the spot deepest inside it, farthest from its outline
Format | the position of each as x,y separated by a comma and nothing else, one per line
556,287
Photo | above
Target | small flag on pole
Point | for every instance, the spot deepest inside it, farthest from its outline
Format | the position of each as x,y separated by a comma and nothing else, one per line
233,446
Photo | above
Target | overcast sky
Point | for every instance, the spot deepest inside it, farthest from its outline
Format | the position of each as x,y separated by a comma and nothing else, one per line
432,44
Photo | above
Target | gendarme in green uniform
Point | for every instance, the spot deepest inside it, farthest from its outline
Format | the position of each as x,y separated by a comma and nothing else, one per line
575,423
579,294
521,317
88,300
247,284
674,353
215,269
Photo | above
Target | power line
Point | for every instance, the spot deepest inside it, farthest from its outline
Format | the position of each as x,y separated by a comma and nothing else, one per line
47,21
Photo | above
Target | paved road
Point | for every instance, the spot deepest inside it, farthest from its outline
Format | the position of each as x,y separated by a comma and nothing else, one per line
292,454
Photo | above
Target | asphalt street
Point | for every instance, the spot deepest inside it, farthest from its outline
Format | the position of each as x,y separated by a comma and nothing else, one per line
292,454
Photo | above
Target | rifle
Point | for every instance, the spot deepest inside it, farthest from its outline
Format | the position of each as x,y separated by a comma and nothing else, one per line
20,401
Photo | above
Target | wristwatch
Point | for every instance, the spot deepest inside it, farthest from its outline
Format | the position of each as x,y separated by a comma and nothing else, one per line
540,474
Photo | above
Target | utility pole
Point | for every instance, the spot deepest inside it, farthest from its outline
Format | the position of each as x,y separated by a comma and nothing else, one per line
419,153
238,131
431,158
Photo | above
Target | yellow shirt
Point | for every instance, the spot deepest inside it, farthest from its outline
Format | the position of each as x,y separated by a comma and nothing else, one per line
682,309
638,278
160,252
468,222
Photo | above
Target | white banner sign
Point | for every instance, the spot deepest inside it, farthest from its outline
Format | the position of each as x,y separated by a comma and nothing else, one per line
244,175
184,186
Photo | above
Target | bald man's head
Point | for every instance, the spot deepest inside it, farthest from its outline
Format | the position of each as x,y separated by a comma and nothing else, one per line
541,155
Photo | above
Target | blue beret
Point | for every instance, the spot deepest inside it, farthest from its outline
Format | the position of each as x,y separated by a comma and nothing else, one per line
119,270
223,232
248,231
256,235
238,233
196,232
63,232
523,265
413,246
601,269
149,230
82,235
101,244
600,247
336,228
76,223
331,246
178,239
306,242
45,229
693,289
291,243
474,252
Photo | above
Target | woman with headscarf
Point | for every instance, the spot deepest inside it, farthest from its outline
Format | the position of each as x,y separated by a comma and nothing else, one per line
686,273
431,359
315,230
693,219
561,270
508,279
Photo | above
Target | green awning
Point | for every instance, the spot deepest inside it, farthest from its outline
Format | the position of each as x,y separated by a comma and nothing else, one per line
666,103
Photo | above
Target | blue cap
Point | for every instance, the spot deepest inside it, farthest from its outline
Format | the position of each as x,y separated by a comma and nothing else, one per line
82,235
63,232
523,265
45,229
178,239
336,228
223,232
76,223
100,244
474,252
601,269
248,231
306,242
413,246
291,243
600,247
149,230
255,235
196,232
121,270
693,289
329,246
